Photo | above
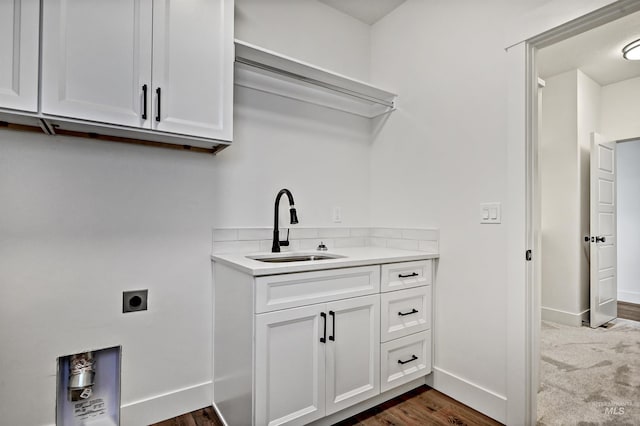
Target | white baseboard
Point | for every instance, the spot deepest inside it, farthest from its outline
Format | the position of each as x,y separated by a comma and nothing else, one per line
564,317
476,397
166,406
629,296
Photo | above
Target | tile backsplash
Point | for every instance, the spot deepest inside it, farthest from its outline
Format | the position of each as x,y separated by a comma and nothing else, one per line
247,240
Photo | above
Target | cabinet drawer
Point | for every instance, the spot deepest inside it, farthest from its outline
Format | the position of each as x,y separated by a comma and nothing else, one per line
396,276
405,312
290,290
405,359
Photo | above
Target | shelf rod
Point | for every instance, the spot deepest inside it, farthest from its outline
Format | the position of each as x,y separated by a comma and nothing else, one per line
329,86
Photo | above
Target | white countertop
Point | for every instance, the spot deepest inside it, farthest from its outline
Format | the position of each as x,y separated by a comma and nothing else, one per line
353,256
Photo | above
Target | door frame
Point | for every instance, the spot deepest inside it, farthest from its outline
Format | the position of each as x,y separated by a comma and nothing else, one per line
553,22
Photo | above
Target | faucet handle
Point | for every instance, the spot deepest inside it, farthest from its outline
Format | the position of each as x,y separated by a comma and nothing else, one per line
285,242
322,247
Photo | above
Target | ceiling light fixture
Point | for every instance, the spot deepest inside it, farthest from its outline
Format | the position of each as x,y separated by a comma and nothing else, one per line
632,51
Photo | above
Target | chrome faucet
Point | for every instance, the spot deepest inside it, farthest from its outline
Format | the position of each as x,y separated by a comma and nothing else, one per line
275,247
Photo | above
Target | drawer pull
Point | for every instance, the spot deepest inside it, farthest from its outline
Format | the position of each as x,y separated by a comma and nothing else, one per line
324,317
413,311
414,274
333,334
413,358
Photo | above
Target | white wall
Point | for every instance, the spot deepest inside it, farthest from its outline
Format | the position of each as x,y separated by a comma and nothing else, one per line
321,155
620,112
307,30
621,109
80,222
440,155
570,113
628,176
558,161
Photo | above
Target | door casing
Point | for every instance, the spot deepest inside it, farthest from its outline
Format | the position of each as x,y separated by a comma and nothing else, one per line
553,22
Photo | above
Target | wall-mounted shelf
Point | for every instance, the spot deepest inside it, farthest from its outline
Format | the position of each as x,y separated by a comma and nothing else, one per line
261,69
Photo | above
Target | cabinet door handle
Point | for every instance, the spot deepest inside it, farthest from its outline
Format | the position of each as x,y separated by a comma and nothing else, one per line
413,358
413,311
413,274
144,101
158,109
324,318
333,334
600,239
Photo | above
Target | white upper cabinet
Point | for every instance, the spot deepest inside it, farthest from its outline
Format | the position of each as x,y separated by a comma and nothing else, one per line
193,67
19,34
154,64
96,59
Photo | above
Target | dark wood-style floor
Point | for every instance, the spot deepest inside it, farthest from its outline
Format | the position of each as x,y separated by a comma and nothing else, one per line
420,407
629,311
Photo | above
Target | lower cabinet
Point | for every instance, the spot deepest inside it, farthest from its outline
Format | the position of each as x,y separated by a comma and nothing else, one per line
316,360
290,349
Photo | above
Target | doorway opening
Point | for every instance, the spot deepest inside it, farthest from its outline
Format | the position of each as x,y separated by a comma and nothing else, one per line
580,179
590,88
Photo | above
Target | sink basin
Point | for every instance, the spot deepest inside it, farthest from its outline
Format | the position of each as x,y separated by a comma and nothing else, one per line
294,257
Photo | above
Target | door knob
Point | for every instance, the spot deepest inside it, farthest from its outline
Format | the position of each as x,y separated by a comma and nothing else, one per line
600,239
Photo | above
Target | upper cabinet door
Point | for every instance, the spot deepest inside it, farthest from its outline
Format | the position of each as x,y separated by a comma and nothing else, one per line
19,34
193,67
96,60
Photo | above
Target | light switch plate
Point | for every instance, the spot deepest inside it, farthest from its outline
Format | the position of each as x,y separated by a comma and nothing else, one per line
491,213
336,215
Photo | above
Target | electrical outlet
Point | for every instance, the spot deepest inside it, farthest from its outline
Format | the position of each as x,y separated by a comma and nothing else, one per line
134,301
337,215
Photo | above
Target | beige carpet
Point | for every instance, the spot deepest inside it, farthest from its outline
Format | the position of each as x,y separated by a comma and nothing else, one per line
590,376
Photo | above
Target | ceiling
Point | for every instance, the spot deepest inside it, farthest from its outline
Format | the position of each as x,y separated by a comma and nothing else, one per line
367,11
597,53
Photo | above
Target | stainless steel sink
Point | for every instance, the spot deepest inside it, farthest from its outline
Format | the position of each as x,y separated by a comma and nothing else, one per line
294,257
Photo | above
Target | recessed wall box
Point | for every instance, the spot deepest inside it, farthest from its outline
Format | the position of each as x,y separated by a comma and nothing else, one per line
88,388
134,301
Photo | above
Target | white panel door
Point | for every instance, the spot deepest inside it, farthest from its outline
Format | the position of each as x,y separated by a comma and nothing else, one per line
603,244
353,351
290,366
19,35
193,67
96,60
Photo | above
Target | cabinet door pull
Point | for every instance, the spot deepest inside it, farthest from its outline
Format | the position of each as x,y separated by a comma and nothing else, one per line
158,109
413,311
324,318
333,334
413,358
413,274
144,101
